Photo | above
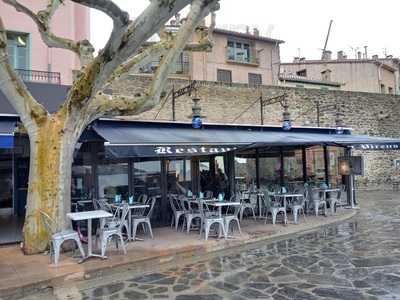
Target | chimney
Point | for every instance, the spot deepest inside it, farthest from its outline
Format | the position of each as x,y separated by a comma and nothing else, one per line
366,52
327,55
248,29
256,32
341,55
359,55
376,57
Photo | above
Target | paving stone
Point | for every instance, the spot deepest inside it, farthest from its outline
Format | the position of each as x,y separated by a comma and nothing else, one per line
108,289
134,295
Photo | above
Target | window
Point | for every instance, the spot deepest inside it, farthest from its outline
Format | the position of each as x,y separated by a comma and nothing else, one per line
390,90
113,180
17,47
224,76
383,89
255,79
326,75
302,73
238,51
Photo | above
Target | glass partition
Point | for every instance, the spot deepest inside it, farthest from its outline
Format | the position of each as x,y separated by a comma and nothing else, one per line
335,179
293,168
179,176
245,172
113,180
315,165
147,178
270,170
6,181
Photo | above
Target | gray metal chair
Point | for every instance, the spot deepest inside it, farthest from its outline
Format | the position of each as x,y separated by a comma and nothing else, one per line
208,220
114,228
177,209
58,238
298,206
274,207
232,215
335,200
317,201
190,214
144,219
251,205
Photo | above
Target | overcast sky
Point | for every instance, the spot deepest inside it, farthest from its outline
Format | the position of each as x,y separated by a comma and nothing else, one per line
303,25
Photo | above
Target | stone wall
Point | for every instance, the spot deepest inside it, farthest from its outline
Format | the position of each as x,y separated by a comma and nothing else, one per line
365,113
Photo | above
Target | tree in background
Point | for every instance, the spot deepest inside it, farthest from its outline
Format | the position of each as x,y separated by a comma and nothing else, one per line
53,135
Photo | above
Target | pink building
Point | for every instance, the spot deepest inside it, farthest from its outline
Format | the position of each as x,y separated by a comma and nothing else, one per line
30,55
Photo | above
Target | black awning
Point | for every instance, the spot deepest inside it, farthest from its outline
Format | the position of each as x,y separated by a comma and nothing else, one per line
138,139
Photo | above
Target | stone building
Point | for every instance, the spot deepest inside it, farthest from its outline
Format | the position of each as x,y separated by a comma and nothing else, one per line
372,75
365,113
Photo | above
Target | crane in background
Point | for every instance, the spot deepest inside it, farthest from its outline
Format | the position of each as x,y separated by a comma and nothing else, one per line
327,39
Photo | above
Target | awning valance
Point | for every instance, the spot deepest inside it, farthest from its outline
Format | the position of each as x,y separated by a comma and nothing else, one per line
130,138
7,126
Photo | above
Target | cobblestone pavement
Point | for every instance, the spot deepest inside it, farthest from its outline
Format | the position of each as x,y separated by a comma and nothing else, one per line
359,259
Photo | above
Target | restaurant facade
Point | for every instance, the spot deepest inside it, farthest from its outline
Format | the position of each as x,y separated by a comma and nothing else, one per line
122,157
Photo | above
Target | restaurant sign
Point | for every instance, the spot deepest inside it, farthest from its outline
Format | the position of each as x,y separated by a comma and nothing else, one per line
376,147
167,151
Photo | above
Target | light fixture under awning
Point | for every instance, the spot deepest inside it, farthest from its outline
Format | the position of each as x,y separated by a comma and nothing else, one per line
7,126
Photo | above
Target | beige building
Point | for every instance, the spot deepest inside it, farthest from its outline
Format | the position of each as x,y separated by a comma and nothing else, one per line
235,58
307,83
375,75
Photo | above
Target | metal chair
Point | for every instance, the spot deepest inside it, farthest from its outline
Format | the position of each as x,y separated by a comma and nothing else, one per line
252,204
144,219
208,220
298,207
335,200
58,238
317,201
177,209
189,213
274,207
232,215
143,198
208,195
114,228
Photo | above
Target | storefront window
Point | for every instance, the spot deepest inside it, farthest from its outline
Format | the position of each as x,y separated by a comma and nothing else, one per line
147,178
335,179
81,184
221,176
315,165
293,168
179,176
6,182
113,180
245,172
270,170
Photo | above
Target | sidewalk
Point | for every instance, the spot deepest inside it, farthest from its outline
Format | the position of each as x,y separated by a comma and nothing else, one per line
21,275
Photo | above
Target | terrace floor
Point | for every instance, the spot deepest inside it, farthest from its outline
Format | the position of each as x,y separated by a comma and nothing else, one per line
21,275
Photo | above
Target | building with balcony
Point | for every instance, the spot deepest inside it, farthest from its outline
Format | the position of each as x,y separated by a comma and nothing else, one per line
238,58
235,58
32,59
363,74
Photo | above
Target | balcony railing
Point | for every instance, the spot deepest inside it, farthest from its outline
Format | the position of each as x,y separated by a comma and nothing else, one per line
181,67
252,59
39,76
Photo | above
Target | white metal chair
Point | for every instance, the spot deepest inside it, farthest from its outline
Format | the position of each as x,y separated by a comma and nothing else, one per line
189,213
317,201
232,215
335,200
58,238
274,207
114,228
177,209
208,220
144,219
142,198
298,206
251,205
208,195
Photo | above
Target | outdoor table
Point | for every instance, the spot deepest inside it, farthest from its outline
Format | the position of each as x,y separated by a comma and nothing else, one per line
285,196
89,216
219,205
131,207
326,191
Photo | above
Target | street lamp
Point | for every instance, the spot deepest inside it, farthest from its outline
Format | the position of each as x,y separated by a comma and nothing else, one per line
197,123
287,122
339,124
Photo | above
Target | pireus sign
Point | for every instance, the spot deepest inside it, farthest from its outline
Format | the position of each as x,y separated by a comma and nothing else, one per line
377,147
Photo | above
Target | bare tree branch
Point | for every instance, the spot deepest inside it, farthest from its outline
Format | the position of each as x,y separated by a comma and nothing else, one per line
42,19
172,49
29,110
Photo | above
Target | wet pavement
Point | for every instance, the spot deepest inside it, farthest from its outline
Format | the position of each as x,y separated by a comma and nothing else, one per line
359,259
